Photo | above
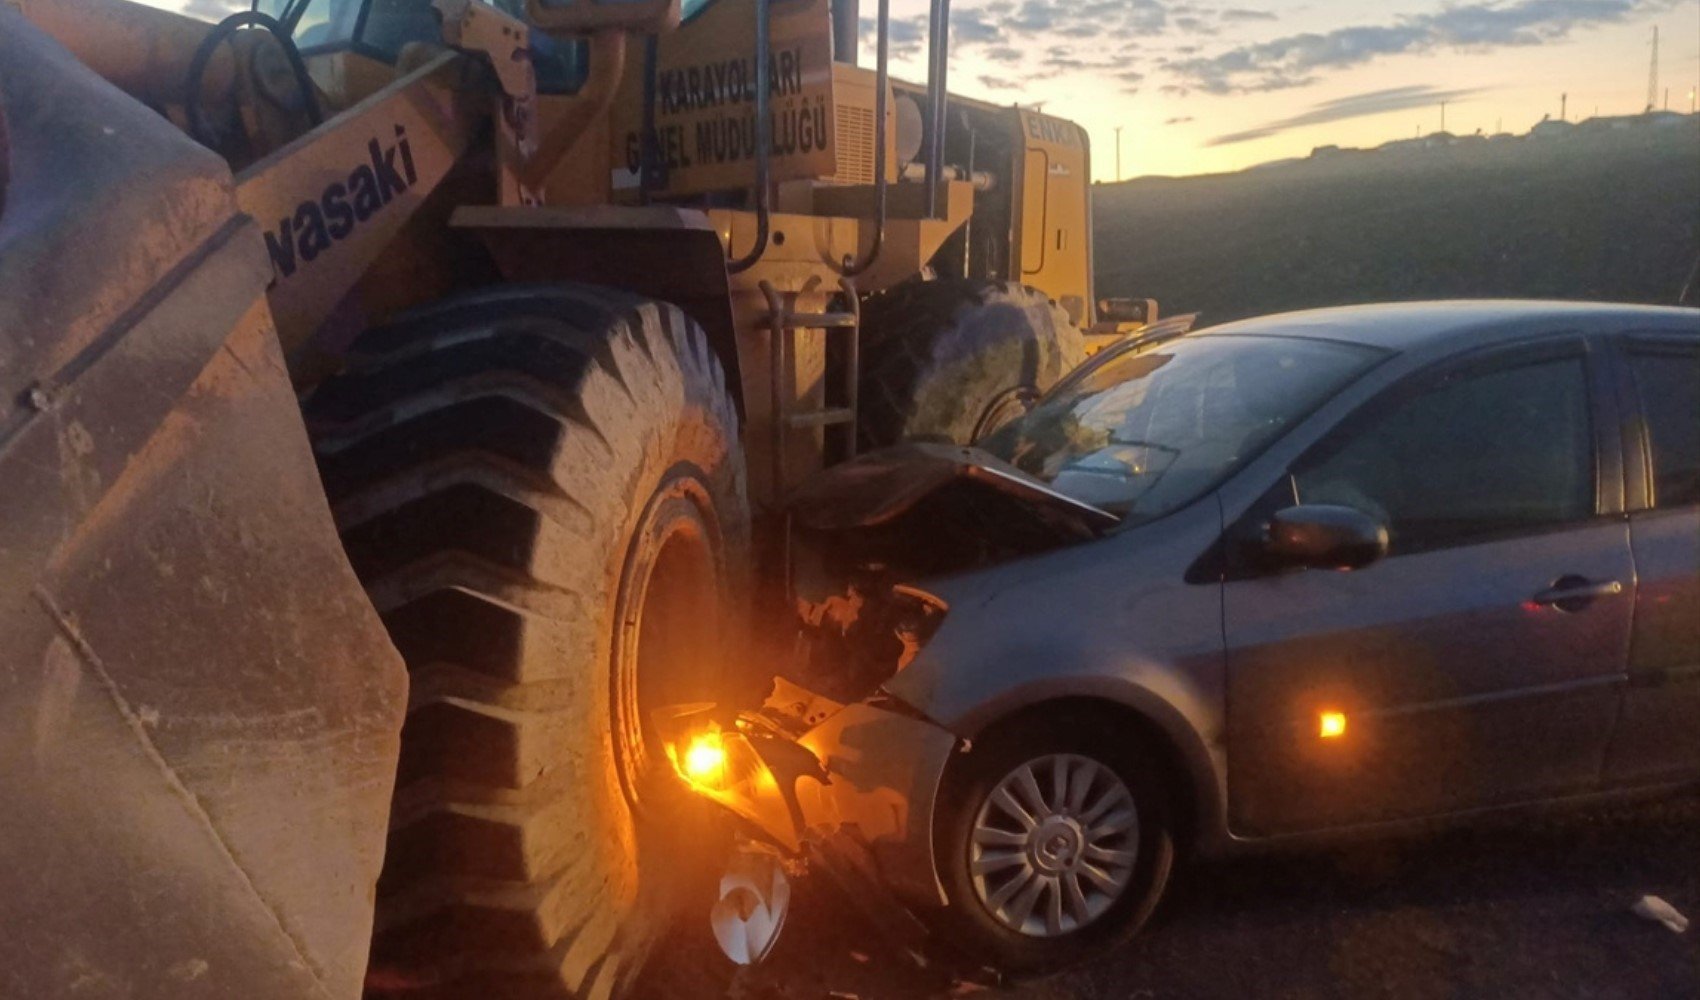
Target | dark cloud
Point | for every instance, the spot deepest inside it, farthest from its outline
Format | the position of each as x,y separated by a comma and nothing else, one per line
969,26
907,36
975,25
1086,18
1242,14
1356,106
1033,39
1295,60
1181,120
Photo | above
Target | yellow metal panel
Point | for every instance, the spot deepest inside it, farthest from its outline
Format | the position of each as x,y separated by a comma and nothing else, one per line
856,130
1056,225
705,100
1035,178
330,202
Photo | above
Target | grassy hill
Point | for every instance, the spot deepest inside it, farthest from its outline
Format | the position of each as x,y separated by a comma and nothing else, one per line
1596,213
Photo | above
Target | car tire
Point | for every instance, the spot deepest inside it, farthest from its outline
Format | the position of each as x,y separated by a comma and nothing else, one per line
543,490
1121,777
953,359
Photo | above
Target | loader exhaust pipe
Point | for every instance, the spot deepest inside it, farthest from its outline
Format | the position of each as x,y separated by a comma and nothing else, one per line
882,130
846,31
938,71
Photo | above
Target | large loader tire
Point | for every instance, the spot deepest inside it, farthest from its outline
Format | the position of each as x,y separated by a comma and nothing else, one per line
953,360
542,489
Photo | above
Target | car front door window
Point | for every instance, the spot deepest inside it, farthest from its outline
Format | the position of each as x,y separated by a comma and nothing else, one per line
1476,455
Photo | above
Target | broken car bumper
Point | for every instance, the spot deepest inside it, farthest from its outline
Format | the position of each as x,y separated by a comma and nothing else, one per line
864,779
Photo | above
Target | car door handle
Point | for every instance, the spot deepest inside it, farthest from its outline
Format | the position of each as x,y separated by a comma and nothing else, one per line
1573,593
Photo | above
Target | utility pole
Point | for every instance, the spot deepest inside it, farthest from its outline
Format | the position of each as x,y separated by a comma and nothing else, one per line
1564,107
1653,74
1118,154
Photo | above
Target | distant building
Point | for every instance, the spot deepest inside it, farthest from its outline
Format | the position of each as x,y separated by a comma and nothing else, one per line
1622,123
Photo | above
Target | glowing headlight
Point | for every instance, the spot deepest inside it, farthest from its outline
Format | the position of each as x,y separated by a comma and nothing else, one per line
704,760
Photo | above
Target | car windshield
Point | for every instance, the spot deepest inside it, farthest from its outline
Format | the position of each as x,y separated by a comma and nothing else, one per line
1141,434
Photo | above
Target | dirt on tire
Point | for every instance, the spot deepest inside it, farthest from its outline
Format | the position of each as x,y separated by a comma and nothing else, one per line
937,355
488,460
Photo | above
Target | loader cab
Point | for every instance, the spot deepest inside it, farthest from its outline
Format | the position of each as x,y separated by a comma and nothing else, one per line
353,48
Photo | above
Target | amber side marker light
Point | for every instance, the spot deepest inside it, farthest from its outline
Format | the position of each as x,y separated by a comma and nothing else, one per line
1331,725
705,759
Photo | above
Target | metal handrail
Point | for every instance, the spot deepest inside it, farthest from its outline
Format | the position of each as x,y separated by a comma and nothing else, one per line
882,134
764,145
648,149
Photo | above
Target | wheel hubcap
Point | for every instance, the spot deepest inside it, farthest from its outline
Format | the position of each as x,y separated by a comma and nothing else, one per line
1054,845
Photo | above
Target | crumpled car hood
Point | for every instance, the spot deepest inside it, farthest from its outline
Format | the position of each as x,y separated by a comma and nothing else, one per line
938,508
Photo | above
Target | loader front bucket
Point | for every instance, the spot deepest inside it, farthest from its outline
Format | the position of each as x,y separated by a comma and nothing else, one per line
199,710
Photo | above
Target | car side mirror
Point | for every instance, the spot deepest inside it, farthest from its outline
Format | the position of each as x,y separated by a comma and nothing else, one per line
1324,536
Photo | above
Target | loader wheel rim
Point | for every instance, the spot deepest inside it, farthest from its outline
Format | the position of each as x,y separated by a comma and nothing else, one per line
667,643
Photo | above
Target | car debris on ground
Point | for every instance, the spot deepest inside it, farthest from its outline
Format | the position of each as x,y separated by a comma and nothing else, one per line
1655,909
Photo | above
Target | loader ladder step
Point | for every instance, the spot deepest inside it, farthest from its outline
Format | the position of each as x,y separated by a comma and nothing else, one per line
839,413
821,321
821,418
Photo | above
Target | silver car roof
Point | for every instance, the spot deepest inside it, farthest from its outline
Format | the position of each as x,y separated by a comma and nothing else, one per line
1407,326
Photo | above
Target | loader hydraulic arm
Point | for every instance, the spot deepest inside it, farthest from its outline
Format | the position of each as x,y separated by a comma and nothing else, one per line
334,200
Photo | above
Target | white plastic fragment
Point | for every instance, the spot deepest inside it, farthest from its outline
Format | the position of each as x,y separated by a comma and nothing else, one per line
755,898
1655,909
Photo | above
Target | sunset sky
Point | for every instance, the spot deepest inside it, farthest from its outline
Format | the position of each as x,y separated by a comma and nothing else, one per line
1207,86
1201,86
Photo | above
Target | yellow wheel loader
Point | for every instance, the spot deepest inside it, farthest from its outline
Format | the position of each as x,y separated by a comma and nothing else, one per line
400,403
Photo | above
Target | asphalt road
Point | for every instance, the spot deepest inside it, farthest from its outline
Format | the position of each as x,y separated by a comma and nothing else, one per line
1510,909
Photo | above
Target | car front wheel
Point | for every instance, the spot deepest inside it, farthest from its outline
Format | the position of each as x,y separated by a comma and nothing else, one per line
1055,845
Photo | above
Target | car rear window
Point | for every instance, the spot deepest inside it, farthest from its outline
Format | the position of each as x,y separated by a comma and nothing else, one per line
1669,382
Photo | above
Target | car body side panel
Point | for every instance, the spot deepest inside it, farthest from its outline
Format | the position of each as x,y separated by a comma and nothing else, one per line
1462,689
884,772
1658,737
1457,690
1111,620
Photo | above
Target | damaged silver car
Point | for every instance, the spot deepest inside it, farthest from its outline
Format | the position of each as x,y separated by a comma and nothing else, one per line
1292,577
